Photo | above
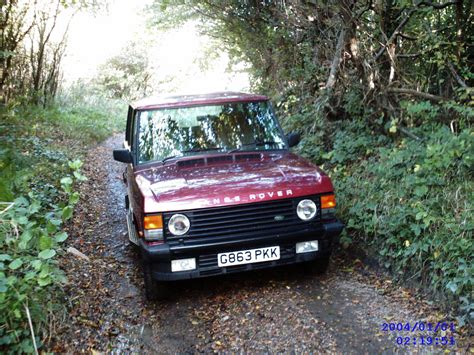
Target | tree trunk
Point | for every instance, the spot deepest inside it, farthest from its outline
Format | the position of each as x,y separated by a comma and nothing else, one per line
341,40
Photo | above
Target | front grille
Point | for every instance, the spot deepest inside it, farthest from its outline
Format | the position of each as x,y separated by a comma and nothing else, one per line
235,222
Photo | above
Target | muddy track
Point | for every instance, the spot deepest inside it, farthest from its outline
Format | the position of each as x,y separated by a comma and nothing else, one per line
275,310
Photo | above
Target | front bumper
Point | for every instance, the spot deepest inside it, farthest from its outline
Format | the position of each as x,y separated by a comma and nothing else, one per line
159,256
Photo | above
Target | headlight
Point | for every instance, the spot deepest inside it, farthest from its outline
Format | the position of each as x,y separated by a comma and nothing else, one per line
179,224
306,210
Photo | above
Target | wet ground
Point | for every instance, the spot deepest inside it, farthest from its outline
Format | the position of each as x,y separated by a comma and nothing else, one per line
273,311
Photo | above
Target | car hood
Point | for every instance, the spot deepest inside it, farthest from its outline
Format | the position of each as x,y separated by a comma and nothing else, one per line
228,179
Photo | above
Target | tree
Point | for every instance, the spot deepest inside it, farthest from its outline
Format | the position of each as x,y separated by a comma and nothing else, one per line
13,29
344,56
126,75
30,56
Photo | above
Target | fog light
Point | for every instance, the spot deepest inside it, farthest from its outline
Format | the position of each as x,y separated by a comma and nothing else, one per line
306,247
328,213
183,264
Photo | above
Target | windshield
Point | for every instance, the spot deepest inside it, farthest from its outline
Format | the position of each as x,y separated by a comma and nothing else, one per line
229,127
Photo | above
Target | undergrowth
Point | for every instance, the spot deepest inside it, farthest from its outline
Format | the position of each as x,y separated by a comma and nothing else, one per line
408,200
39,166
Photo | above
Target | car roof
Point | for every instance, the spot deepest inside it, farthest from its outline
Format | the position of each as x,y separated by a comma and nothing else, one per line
158,102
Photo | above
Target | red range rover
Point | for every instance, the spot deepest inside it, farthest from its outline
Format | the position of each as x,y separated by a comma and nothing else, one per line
214,189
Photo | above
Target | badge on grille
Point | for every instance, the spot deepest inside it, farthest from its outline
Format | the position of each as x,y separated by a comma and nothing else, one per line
279,218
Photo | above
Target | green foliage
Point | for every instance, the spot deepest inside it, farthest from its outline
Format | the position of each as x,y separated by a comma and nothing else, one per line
126,75
412,204
35,147
87,114
70,120
35,143
30,278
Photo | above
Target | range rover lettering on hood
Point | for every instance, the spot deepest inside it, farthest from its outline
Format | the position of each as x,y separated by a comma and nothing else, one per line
252,197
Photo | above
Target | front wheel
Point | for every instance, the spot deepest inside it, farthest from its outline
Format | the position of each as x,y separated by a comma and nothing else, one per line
318,266
155,290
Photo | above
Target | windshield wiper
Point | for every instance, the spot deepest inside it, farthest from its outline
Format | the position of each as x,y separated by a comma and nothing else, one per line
194,150
169,158
256,143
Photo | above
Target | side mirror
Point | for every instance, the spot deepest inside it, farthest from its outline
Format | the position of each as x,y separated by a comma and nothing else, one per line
293,139
123,155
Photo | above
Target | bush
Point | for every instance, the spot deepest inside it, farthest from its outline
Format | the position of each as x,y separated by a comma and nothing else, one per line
34,151
30,239
411,202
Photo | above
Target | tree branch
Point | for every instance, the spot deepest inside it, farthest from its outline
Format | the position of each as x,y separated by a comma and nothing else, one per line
395,33
408,133
436,5
456,76
405,21
408,55
409,38
412,92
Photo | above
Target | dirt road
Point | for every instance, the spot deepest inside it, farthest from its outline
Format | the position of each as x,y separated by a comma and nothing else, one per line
276,310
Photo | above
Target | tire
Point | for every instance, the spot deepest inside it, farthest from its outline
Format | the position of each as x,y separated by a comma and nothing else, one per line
155,290
318,266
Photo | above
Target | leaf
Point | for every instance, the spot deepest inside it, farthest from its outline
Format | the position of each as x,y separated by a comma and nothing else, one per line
44,281
75,165
34,207
421,190
21,201
452,286
45,242
3,286
5,257
79,176
51,228
17,313
66,181
420,215
47,254
55,221
30,275
36,264
15,264
67,213
60,237
22,220
74,198
416,229
26,236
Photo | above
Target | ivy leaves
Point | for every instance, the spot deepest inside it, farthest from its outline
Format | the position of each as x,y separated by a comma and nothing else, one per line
411,202
47,254
29,244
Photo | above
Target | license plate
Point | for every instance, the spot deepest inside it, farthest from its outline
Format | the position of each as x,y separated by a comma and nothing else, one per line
248,256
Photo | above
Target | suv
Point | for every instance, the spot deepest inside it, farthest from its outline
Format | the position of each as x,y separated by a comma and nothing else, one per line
213,189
